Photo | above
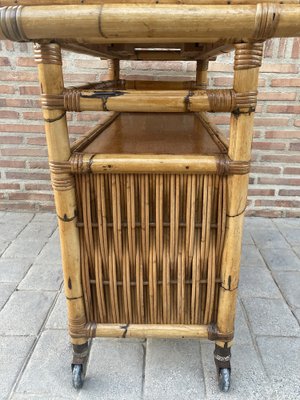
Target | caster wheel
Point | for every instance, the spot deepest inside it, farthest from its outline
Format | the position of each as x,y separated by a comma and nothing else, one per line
77,376
224,379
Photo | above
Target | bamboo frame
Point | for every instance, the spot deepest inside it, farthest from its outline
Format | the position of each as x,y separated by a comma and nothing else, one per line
51,81
159,22
241,131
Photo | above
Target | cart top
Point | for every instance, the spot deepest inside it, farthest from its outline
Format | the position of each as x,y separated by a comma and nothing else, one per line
192,30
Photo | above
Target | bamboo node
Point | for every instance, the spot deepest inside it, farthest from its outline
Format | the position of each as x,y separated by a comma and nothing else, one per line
246,100
228,167
220,99
76,163
214,334
48,53
266,20
52,102
90,329
61,178
77,327
72,100
187,100
10,23
248,55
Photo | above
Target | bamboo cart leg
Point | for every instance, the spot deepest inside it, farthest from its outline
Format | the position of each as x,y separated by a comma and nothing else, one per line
246,67
201,74
48,58
113,69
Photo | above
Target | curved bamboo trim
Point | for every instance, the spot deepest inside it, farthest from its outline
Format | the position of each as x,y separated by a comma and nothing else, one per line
160,21
151,101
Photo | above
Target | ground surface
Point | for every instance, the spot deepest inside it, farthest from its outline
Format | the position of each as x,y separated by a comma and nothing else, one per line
35,354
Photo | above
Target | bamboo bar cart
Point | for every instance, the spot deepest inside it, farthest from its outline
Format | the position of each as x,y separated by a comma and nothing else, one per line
151,202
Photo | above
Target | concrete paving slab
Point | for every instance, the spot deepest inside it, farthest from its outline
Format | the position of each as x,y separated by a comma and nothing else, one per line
284,222
24,312
271,317
13,351
169,362
42,277
6,290
296,249
115,370
281,259
20,248
242,333
48,372
37,231
58,317
248,378
257,282
18,396
13,270
10,232
297,314
3,246
251,257
45,218
289,283
258,223
17,218
281,358
291,234
50,254
247,238
267,238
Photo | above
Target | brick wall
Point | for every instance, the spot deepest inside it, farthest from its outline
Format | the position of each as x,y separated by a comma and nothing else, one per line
275,176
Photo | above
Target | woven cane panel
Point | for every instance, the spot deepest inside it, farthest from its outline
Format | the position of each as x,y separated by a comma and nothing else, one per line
151,246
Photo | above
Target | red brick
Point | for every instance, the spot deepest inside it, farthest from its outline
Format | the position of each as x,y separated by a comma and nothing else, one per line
9,114
296,48
276,96
29,90
12,164
292,170
282,135
25,151
268,146
277,203
282,158
11,139
28,176
279,68
261,121
4,62
6,89
26,62
278,181
289,192
9,186
40,140
30,196
22,103
19,76
295,146
261,192
39,164
265,169
21,128
284,109
38,186
289,82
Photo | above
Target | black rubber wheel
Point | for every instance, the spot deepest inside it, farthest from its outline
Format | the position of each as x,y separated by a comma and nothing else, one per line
77,376
224,379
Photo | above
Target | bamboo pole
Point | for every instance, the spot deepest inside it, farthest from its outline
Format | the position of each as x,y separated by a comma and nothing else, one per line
151,101
201,74
241,131
48,57
144,21
96,2
113,70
